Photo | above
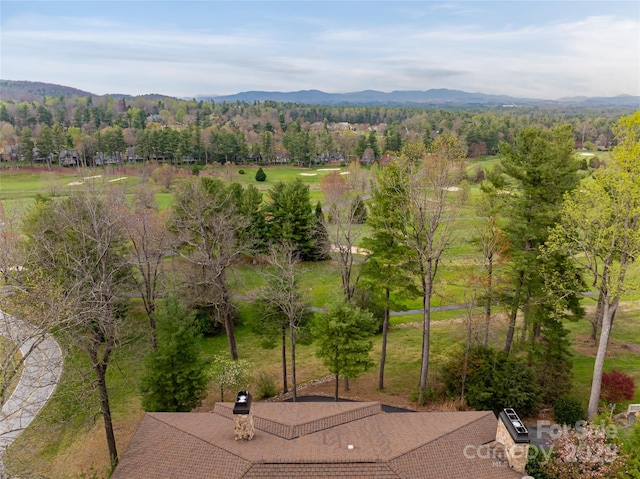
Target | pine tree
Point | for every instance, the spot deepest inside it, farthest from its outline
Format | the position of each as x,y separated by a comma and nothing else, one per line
290,217
321,244
175,376
261,175
344,339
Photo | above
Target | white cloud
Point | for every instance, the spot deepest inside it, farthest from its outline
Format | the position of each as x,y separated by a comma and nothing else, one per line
597,55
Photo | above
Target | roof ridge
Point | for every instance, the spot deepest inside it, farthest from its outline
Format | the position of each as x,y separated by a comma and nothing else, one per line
356,411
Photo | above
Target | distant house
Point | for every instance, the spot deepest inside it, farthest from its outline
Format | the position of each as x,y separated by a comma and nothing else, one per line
254,158
282,158
103,159
324,440
69,158
334,158
132,156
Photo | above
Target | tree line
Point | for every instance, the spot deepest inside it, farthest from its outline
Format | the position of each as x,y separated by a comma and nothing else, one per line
170,129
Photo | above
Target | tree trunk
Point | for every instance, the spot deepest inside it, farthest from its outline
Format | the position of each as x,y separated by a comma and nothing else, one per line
337,385
487,313
609,310
285,384
105,410
466,356
596,322
426,334
385,331
514,314
150,307
292,335
228,326
228,317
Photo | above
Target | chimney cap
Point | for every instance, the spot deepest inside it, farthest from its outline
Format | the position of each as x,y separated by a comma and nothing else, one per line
243,403
514,425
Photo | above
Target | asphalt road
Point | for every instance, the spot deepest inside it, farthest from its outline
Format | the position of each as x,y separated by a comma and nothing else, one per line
40,375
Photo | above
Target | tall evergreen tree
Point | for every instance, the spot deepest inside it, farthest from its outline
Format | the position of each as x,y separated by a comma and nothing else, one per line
386,270
344,340
321,244
290,217
175,376
540,168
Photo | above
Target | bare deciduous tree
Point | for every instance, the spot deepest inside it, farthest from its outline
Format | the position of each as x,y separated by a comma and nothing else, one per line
283,294
425,231
205,222
81,245
150,243
345,214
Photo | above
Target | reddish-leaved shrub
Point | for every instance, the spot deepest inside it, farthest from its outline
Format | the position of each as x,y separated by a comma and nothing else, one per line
616,386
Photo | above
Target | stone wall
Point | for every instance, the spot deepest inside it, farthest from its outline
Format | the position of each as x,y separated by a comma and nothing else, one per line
516,453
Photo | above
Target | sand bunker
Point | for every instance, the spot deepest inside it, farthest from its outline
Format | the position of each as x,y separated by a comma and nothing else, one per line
75,183
92,177
117,179
587,154
308,174
328,169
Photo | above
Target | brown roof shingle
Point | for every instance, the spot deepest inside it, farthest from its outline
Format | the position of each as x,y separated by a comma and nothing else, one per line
311,440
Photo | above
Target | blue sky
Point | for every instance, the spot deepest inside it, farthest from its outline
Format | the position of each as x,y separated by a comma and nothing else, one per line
534,49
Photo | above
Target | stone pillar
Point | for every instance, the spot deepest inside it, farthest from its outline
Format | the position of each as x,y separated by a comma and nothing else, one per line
243,426
515,442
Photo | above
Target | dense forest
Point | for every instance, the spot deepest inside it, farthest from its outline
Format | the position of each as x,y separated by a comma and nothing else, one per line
70,130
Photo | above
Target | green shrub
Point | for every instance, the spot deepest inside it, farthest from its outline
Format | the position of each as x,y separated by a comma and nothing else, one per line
631,450
261,175
568,410
535,463
265,385
241,172
493,381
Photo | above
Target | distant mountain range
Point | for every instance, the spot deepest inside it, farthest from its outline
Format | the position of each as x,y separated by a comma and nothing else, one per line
442,97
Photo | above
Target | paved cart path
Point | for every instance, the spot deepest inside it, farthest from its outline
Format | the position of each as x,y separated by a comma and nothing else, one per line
40,375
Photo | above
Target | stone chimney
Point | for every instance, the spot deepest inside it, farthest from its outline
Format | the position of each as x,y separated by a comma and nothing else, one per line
243,417
514,437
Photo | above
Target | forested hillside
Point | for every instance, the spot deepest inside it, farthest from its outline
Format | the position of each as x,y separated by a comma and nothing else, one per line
40,121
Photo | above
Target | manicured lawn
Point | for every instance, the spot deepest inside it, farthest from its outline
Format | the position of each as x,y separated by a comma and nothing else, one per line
623,352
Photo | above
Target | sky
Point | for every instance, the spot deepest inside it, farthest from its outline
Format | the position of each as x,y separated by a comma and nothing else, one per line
527,49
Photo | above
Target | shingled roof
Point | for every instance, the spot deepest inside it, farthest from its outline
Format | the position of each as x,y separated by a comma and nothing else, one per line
294,440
